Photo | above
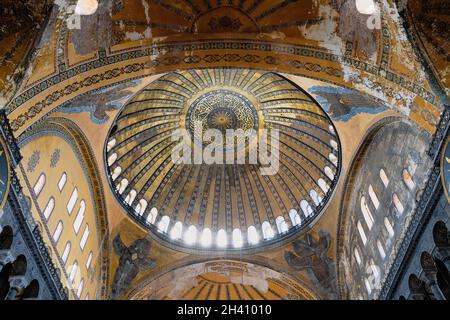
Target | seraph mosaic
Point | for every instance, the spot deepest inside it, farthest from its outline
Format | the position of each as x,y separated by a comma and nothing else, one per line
99,102
343,104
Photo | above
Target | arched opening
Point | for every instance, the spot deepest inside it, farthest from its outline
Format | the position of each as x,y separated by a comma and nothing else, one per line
443,278
4,280
177,230
281,225
252,236
39,185
19,266
6,238
267,230
31,291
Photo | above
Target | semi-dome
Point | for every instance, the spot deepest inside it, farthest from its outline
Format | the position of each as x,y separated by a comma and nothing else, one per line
229,205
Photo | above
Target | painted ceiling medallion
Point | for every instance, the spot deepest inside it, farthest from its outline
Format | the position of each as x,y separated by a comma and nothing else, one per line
222,206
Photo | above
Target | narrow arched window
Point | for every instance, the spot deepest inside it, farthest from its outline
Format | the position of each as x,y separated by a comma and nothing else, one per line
334,144
151,218
80,217
252,235
116,173
62,182
397,203
362,233
49,208
122,186
366,213
381,249
306,208
80,289
58,231
373,197
329,173
141,206
384,178
315,197
281,224
39,185
130,197
190,237
389,227
206,237
295,217
407,179
89,260
84,238
267,230
323,185
112,158
368,286
357,256
88,297
111,144
66,252
163,224
333,159
72,201
177,230
73,271
237,238
222,240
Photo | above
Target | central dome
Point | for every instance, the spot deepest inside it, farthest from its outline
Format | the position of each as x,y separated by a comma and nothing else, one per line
223,205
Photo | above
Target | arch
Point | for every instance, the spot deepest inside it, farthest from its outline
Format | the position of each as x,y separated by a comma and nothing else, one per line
122,185
443,278
384,178
89,260
323,185
81,147
368,218
39,185
252,235
111,144
267,230
116,173
19,266
389,227
282,226
72,201
31,291
206,238
5,273
58,231
130,197
141,206
80,289
381,249
357,256
237,238
62,181
407,179
163,224
362,233
66,252
151,218
190,237
84,238
441,236
306,208
49,208
315,197
111,159
373,197
329,173
334,160
80,217
73,272
6,238
295,217
222,239
177,230
398,204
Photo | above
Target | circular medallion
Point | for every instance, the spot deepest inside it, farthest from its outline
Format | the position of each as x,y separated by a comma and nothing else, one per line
221,110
